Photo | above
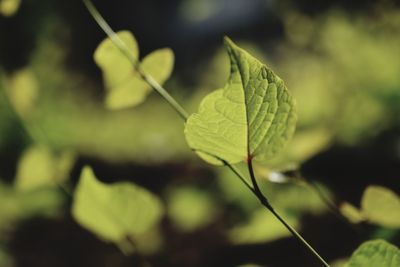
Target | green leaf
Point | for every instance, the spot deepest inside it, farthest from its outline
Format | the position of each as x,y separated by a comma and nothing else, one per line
381,206
190,208
353,214
125,87
9,7
252,116
41,167
114,211
375,253
23,92
134,90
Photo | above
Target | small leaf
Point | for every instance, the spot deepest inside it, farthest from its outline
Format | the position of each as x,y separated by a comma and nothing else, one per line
375,253
23,92
40,167
125,87
158,64
9,7
381,206
114,64
252,116
115,211
353,214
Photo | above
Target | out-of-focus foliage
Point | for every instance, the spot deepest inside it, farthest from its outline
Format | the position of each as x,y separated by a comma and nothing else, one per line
375,253
345,72
342,69
353,214
253,116
40,167
16,205
9,7
114,212
254,230
23,92
5,259
379,205
124,84
291,200
190,208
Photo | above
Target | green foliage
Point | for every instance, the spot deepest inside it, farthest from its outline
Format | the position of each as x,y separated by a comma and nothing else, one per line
262,227
331,46
9,7
375,253
40,167
16,206
252,117
114,212
379,205
23,92
124,84
190,208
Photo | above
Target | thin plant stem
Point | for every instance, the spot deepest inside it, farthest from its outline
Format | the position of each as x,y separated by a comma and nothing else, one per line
264,201
135,62
184,115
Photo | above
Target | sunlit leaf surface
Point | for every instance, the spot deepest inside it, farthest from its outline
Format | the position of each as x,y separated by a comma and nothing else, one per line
252,116
125,87
381,206
114,212
375,253
41,167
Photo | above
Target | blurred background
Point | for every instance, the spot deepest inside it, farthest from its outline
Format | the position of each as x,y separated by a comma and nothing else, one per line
340,59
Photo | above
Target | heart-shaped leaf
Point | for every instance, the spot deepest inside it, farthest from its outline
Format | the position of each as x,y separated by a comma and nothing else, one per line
253,116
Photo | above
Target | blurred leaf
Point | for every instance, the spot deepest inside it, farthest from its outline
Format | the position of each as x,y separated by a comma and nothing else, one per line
252,116
114,64
23,91
262,227
190,208
9,7
114,212
40,167
375,253
125,87
381,206
134,90
353,214
305,144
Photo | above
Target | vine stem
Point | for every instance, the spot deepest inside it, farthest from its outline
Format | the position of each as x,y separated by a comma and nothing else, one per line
264,201
253,186
135,62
